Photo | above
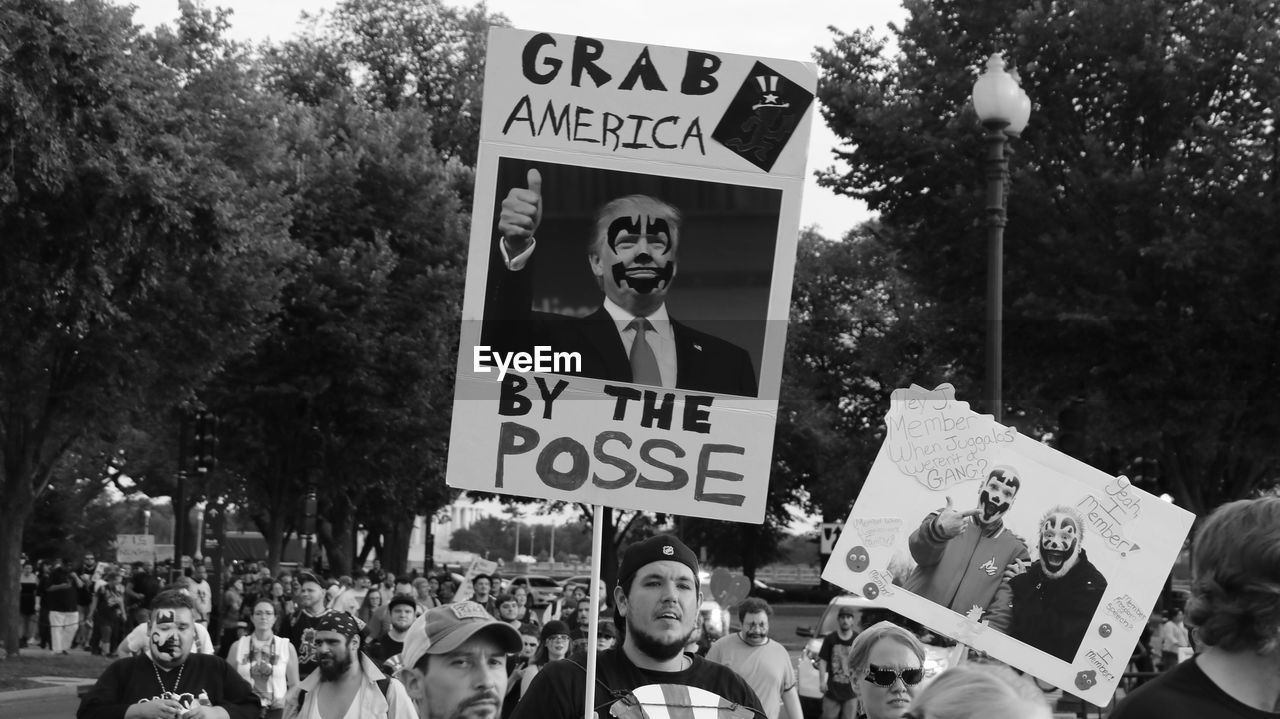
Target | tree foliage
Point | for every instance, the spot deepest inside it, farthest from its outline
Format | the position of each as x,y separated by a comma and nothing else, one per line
396,55
141,249
352,392
1141,316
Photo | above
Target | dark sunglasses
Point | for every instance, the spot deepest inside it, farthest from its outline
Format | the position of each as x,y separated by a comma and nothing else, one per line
885,677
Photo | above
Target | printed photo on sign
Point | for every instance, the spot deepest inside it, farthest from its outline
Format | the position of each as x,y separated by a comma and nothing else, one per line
629,274
693,259
1006,544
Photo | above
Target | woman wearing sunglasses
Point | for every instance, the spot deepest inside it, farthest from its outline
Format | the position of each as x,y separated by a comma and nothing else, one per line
888,665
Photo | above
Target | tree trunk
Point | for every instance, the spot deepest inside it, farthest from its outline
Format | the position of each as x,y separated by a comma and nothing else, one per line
395,547
609,552
273,533
372,540
13,517
750,536
336,537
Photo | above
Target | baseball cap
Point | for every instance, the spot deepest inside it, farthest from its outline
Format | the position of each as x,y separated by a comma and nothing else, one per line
308,577
402,599
445,628
662,547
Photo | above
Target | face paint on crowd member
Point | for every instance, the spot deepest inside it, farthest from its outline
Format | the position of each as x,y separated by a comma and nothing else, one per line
172,635
633,254
997,494
1061,532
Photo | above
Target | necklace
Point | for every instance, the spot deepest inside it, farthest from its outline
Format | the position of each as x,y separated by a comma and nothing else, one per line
155,668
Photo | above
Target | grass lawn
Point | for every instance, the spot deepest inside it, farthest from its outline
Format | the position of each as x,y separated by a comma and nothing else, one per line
14,671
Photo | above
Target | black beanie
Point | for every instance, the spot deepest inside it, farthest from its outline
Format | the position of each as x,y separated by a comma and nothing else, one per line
663,547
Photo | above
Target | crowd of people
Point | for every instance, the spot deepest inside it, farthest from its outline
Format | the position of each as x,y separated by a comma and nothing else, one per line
426,647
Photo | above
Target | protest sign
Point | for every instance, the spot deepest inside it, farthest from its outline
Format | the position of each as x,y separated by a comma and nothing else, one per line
637,169
132,548
954,499
476,568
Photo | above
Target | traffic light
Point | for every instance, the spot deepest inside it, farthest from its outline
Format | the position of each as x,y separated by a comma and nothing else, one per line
206,442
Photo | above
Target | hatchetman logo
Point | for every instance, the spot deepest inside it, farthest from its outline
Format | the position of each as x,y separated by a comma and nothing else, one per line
668,550
542,359
763,116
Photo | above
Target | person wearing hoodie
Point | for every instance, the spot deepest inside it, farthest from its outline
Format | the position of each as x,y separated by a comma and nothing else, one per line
1054,600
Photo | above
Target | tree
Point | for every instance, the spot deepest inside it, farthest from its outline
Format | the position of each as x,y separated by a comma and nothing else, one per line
1140,310
858,331
141,252
352,392
394,55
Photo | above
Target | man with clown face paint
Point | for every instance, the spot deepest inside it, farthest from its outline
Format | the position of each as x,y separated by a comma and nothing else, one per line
168,680
632,254
1055,599
961,555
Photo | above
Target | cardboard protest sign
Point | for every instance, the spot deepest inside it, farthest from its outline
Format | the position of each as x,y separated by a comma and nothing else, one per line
477,567
618,181
132,548
954,499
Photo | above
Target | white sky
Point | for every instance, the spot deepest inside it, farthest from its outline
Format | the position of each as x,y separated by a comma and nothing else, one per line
788,30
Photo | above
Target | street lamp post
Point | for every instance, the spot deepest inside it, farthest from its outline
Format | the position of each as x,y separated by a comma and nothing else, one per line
1004,109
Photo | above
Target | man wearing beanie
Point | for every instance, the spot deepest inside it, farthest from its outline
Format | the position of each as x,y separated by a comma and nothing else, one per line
657,600
346,683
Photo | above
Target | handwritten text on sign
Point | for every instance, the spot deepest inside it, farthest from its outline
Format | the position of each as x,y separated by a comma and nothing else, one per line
939,441
565,463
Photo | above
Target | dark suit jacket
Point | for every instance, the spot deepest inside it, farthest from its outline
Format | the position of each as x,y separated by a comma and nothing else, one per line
704,363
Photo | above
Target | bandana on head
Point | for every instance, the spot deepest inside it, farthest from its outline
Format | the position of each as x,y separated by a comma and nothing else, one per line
339,622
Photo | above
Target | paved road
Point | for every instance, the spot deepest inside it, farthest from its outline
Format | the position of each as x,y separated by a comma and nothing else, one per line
59,707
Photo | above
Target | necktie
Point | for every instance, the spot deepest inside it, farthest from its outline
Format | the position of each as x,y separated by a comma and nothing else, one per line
644,365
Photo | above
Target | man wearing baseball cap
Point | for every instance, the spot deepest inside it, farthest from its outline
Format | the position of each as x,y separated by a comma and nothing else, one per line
346,683
657,600
454,663
385,650
300,626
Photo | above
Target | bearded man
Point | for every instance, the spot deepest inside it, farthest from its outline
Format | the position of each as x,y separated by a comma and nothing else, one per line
301,625
632,253
1055,599
657,600
168,680
385,650
346,683
763,662
961,556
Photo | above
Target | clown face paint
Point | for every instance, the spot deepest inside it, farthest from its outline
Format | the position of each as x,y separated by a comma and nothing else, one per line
172,634
996,497
1059,542
635,258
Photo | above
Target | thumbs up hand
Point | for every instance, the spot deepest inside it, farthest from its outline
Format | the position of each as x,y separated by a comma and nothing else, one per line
521,214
